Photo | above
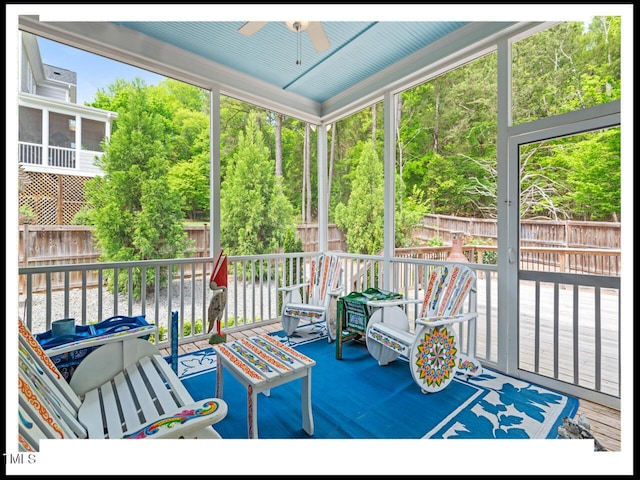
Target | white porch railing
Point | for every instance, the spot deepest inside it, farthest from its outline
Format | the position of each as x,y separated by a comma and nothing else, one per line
587,357
31,154
62,157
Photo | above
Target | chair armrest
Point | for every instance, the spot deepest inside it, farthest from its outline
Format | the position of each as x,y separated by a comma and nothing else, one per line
290,288
437,321
307,307
337,292
102,340
184,422
393,302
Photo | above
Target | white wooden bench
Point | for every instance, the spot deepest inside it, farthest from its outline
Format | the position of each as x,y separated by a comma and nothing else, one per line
124,389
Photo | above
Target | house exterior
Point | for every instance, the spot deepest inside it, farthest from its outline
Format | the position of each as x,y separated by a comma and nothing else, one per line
58,140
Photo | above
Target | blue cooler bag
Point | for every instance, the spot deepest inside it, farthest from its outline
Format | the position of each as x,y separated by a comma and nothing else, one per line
69,361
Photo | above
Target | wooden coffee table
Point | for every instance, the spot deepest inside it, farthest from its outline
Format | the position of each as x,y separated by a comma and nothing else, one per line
261,363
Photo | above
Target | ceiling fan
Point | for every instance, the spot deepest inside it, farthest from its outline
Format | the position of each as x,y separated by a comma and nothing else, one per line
315,31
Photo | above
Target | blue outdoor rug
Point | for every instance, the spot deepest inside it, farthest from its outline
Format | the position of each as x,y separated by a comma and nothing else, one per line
356,398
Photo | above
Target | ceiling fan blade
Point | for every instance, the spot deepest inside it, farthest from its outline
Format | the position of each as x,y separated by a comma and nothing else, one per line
317,36
250,28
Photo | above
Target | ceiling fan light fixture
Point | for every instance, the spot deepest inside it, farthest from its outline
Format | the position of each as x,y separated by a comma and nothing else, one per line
297,26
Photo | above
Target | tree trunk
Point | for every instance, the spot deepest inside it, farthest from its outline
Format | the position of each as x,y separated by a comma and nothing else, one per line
303,209
399,159
307,167
334,126
278,145
437,118
373,125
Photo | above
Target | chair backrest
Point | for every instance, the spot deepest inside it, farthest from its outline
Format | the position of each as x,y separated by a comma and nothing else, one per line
48,407
325,275
448,287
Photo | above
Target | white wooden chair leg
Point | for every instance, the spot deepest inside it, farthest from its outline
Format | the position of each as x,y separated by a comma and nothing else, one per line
289,324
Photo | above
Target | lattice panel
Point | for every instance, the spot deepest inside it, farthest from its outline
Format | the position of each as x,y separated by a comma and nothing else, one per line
46,191
73,189
72,197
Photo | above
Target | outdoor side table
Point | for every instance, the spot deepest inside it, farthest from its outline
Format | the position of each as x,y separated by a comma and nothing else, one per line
261,363
354,312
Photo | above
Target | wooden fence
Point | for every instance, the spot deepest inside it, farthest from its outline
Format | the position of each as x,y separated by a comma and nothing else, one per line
533,233
542,248
69,244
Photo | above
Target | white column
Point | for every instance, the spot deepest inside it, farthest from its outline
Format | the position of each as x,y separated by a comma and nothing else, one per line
214,176
389,186
508,220
323,201
45,137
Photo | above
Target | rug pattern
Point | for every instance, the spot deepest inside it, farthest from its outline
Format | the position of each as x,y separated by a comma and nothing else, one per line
505,408
496,406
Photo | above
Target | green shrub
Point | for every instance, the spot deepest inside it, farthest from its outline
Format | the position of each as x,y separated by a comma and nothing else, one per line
435,242
163,331
489,257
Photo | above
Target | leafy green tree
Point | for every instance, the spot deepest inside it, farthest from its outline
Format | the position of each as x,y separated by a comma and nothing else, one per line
592,190
190,180
410,210
136,216
255,213
362,217
189,176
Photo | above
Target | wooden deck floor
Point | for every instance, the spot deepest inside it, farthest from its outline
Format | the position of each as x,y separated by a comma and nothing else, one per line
605,421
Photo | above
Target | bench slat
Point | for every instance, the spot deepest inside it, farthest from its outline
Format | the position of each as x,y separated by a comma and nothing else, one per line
90,415
181,392
140,390
30,430
111,411
129,409
158,386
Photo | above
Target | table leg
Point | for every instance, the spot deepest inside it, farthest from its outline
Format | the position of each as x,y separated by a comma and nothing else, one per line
252,411
339,327
219,377
307,413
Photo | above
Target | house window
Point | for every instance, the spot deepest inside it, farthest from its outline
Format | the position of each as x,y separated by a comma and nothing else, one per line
61,132
30,125
92,134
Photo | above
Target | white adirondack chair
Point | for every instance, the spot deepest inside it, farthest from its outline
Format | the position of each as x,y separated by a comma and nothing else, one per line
121,390
432,347
322,291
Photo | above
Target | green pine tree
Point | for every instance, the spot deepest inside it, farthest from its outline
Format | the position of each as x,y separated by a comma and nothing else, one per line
135,214
255,213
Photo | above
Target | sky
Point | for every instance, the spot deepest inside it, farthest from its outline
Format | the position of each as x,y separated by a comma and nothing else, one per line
93,71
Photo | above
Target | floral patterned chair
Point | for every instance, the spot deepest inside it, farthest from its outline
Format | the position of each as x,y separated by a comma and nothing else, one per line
322,292
433,347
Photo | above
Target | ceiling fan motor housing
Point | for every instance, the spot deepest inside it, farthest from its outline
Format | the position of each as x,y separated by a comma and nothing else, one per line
297,25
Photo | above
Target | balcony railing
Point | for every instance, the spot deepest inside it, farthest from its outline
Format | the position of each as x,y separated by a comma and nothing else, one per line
553,338
31,154
62,157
